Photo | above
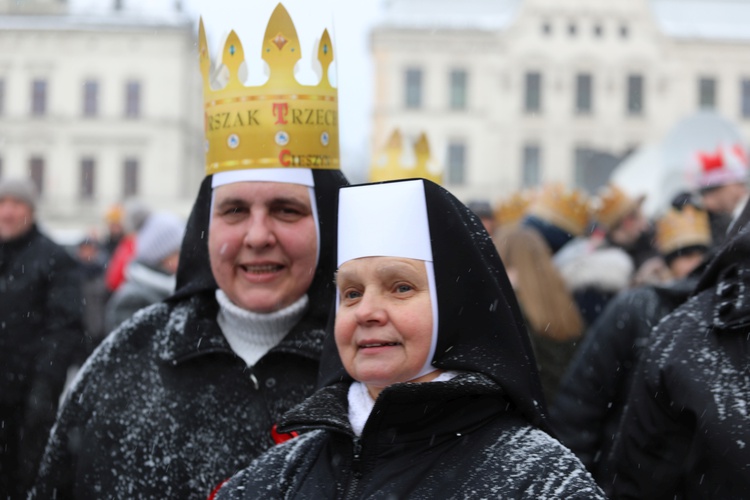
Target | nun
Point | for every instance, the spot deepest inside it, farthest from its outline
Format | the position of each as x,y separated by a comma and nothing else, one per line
429,386
188,391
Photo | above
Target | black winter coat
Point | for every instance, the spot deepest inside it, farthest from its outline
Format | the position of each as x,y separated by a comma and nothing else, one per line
591,397
41,334
455,439
165,409
685,431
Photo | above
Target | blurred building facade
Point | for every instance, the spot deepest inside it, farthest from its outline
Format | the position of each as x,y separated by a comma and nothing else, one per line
99,106
513,93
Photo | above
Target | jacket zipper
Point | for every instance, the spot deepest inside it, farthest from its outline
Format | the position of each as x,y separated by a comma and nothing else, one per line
356,468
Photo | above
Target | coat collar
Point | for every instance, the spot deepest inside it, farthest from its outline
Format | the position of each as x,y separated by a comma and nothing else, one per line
328,408
192,331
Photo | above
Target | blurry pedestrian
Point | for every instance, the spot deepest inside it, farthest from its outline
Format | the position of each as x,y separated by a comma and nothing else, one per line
720,179
684,432
150,276
483,210
624,225
92,261
115,230
135,214
683,239
593,392
40,331
552,317
429,387
559,215
597,267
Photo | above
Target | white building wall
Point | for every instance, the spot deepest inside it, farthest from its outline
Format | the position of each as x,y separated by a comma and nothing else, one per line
166,138
497,57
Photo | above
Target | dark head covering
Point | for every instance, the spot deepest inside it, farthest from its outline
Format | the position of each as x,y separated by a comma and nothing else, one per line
194,270
555,237
480,326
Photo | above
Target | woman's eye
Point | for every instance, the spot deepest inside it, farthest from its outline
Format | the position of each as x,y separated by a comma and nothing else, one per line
403,288
351,294
234,211
289,214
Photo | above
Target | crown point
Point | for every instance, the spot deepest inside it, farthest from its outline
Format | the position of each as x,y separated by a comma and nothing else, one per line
233,57
281,46
390,164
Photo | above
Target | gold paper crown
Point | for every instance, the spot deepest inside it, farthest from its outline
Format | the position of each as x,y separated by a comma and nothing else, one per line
513,209
679,229
612,205
389,165
278,124
568,210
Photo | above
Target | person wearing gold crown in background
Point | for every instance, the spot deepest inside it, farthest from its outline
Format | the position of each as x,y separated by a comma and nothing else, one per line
593,392
189,391
600,265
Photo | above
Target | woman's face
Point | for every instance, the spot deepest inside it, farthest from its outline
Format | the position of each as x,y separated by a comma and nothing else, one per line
384,321
262,243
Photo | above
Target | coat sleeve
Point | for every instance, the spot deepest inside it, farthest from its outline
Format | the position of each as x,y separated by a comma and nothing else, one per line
277,473
64,335
57,470
654,436
123,304
595,385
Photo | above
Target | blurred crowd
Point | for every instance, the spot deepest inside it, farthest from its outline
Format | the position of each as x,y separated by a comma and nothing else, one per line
594,277
60,303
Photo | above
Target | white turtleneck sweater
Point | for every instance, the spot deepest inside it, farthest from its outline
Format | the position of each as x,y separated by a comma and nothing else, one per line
251,335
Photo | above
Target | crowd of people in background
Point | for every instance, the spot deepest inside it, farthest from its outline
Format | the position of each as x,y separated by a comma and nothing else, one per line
635,429
59,303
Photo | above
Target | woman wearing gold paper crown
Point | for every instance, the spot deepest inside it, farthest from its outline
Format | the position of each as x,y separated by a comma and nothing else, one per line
430,389
188,392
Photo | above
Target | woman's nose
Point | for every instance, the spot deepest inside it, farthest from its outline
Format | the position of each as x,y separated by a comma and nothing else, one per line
260,232
370,309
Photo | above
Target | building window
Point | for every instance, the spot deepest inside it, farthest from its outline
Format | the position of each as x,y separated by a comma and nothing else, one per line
745,97
90,98
572,29
584,96
598,31
88,178
531,174
458,89
130,177
456,165
582,156
635,95
38,97
413,97
1,167
2,97
707,93
36,173
533,93
624,31
546,28
133,99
